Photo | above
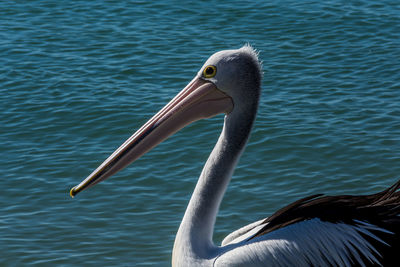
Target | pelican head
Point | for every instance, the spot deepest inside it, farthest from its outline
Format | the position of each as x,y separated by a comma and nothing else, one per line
228,82
236,73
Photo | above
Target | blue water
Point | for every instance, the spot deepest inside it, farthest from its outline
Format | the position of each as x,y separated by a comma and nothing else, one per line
78,77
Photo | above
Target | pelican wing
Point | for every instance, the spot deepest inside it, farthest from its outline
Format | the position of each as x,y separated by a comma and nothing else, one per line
321,231
307,243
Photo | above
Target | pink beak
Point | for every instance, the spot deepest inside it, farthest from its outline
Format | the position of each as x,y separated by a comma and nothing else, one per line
198,100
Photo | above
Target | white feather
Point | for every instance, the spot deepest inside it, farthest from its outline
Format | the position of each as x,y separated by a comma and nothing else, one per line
311,242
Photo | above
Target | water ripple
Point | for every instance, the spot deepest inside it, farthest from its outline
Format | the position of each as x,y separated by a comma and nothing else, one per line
77,78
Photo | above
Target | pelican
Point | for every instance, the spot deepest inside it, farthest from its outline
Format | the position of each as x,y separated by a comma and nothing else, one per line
318,230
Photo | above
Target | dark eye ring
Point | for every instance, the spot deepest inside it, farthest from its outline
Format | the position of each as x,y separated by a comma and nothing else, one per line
209,71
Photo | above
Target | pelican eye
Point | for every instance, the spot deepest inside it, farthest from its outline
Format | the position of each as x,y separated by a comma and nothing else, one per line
209,71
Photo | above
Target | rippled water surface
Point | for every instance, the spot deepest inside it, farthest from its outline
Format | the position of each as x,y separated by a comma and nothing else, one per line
78,77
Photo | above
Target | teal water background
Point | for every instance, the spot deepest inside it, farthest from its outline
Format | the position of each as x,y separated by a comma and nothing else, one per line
78,77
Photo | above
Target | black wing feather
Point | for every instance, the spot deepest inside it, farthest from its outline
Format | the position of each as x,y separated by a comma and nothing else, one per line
381,210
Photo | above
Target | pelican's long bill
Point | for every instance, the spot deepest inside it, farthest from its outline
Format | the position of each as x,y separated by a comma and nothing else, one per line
199,99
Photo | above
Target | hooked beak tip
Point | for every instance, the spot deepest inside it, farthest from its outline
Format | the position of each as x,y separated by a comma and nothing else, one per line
73,192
